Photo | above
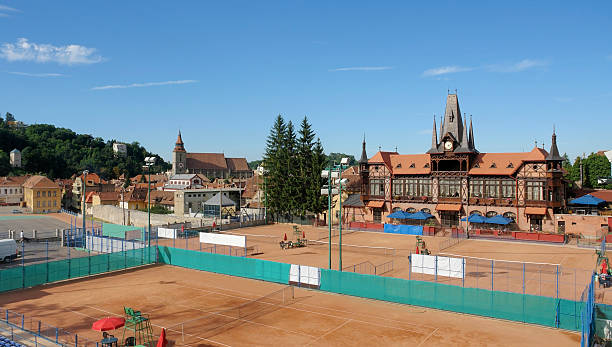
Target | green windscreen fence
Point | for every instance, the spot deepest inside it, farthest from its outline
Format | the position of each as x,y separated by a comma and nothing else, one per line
117,230
564,314
224,264
59,270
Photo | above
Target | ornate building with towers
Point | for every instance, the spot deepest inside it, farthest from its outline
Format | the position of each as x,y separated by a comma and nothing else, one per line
212,165
453,179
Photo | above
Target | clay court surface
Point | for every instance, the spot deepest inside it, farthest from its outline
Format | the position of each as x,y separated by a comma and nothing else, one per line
171,295
575,268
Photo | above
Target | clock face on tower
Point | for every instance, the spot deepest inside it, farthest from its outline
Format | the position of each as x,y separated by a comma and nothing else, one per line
448,145
180,165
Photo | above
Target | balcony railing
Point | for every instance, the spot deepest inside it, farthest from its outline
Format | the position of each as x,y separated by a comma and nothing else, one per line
417,199
492,201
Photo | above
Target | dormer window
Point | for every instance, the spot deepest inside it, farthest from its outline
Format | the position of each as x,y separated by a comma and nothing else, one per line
426,165
398,166
510,165
477,165
412,166
493,166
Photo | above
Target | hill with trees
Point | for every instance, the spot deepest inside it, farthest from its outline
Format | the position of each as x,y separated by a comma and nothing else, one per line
60,152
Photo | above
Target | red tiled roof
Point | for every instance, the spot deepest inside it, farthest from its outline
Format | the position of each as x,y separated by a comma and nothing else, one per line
535,210
376,204
382,158
206,161
504,163
11,181
40,182
407,164
162,197
136,194
237,164
109,196
604,194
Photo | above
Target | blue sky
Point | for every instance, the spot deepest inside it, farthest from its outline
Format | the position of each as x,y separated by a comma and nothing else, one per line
221,71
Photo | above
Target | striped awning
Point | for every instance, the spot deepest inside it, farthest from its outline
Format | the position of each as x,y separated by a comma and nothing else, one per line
449,207
536,210
376,204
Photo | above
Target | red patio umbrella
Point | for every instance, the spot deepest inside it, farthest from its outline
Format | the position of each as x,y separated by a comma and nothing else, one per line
161,342
285,237
108,323
303,234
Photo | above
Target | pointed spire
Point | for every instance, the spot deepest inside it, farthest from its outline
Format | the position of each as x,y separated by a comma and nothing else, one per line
471,139
553,154
364,156
434,138
179,145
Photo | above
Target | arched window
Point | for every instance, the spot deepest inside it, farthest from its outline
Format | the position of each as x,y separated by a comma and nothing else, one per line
510,215
395,209
426,210
491,214
476,212
411,210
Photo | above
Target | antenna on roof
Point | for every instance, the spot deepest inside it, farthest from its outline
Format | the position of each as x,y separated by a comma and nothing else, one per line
536,143
379,148
455,91
447,91
396,148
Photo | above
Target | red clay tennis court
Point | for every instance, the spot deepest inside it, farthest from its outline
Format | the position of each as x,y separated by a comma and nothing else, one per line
200,309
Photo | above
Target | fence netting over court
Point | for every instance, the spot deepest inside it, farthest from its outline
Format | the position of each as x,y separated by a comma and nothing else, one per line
214,320
542,279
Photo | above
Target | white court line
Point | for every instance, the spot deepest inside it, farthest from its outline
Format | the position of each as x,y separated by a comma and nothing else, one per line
331,315
159,326
489,259
329,332
428,336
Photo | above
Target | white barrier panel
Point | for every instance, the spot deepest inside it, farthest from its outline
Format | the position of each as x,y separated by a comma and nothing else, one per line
222,239
109,245
442,266
166,233
302,274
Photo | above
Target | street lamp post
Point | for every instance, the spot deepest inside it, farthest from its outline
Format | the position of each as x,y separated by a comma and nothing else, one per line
85,172
149,161
335,171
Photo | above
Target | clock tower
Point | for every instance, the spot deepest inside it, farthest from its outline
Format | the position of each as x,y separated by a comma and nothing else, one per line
179,156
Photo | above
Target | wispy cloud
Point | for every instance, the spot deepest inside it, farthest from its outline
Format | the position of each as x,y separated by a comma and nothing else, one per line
140,85
23,50
517,67
363,68
522,65
443,70
4,9
35,74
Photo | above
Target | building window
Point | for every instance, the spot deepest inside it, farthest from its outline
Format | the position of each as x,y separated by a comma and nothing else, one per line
397,187
37,203
510,215
508,189
38,194
425,187
44,203
535,190
492,188
449,187
377,213
476,187
412,187
54,203
54,193
491,214
377,187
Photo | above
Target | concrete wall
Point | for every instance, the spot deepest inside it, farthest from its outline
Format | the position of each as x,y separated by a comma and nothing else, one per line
587,225
113,214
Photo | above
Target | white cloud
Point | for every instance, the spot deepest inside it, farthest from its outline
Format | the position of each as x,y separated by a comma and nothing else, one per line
443,70
140,85
5,8
35,74
363,68
23,50
517,67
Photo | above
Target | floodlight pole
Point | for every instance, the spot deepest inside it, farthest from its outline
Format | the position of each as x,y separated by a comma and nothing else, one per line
329,199
149,211
340,222
85,172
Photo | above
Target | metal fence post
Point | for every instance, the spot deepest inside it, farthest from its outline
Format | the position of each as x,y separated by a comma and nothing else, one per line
68,245
409,266
47,258
56,335
23,272
523,278
492,274
186,242
22,320
436,267
557,281
76,340
38,327
124,256
463,273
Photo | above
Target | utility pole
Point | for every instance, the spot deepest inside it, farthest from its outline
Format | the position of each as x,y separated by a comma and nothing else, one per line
85,172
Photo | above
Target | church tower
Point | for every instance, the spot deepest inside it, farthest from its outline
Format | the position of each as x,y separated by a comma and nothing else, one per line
179,156
363,168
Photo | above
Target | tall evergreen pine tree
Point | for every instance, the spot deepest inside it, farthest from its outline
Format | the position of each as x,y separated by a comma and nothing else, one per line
305,148
274,163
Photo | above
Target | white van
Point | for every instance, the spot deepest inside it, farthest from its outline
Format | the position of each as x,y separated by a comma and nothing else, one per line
8,250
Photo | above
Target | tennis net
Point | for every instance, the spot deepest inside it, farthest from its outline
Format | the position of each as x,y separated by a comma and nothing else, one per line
215,322
384,251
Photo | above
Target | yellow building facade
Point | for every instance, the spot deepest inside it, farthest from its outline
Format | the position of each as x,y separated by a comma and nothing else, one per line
42,195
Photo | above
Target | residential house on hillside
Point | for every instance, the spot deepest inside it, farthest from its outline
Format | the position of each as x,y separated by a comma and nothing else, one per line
94,184
134,199
106,198
42,195
185,181
11,189
162,198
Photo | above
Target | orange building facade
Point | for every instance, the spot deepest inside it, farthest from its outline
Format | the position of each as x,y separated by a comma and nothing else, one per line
453,180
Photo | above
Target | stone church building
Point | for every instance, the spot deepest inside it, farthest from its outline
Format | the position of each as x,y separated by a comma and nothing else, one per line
214,165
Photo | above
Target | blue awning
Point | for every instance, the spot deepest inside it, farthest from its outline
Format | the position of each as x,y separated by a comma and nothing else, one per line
587,200
419,215
475,218
499,219
398,215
